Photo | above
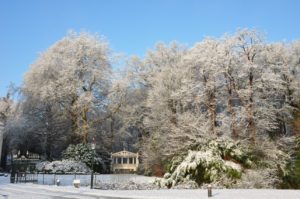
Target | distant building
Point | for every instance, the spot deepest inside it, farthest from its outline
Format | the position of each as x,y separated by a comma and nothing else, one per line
124,162
22,162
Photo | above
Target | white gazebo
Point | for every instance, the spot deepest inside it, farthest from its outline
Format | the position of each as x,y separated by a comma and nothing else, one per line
124,162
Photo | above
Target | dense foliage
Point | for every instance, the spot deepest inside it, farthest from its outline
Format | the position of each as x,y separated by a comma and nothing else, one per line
64,166
220,161
83,153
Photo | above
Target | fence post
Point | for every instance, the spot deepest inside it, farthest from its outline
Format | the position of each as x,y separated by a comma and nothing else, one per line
209,191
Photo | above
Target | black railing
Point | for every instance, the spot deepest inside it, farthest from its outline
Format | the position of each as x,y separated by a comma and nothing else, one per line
23,177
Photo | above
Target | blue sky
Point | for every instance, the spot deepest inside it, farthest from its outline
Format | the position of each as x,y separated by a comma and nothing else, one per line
29,27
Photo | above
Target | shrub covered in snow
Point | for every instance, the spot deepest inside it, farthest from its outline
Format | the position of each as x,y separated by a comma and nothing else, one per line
41,165
213,162
126,186
227,163
291,174
260,178
83,153
64,166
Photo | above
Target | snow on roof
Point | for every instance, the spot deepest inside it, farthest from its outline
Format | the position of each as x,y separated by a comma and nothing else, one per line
124,153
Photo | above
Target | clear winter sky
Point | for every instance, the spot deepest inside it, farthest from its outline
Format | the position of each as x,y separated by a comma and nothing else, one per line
28,27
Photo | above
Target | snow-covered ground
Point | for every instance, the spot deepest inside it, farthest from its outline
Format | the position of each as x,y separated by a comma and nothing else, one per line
36,191
4,180
46,191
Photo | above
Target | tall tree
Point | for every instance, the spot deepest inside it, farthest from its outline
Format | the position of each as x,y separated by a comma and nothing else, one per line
73,75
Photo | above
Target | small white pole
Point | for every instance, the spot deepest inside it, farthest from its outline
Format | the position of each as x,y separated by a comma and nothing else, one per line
209,190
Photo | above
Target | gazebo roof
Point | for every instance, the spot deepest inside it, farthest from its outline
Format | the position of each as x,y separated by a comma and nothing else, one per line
124,154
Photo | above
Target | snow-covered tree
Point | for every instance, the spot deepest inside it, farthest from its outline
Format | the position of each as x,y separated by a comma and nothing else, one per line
73,74
236,87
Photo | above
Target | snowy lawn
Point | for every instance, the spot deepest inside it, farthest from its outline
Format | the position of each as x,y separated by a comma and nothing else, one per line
173,193
161,194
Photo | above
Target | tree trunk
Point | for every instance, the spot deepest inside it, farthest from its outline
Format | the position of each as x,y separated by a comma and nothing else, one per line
212,112
112,134
231,111
211,105
250,111
85,126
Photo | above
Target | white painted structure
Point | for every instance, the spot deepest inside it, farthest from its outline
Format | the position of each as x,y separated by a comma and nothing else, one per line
124,162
